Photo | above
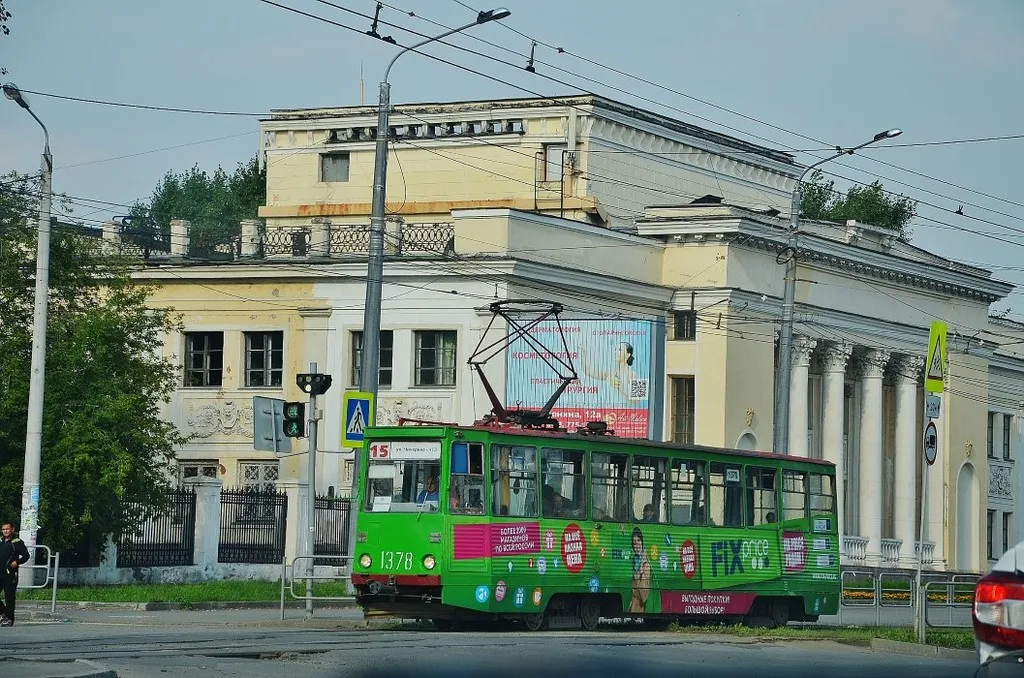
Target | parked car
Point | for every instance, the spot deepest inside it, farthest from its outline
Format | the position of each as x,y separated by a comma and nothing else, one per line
998,617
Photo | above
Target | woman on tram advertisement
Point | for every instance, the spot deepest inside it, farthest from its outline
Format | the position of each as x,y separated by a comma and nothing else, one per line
641,574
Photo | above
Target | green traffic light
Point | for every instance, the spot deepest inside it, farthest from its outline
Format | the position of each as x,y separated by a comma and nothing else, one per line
292,411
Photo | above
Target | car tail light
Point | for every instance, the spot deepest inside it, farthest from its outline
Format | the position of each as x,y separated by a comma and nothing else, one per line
999,610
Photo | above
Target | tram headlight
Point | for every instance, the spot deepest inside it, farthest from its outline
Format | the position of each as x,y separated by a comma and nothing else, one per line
365,560
429,562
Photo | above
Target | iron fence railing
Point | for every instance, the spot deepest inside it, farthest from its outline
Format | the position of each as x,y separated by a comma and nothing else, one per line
252,526
161,538
332,523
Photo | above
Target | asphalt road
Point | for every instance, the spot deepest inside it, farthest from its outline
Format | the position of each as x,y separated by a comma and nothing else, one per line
256,643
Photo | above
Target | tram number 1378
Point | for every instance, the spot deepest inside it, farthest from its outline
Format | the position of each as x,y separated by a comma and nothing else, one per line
396,560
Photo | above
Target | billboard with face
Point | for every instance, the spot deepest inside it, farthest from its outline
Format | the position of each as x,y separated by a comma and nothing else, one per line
613,361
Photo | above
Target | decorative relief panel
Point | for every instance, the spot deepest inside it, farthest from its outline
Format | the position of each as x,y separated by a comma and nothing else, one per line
207,417
429,409
1000,483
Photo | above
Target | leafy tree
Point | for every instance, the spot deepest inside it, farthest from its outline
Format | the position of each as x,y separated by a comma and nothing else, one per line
105,443
213,203
870,204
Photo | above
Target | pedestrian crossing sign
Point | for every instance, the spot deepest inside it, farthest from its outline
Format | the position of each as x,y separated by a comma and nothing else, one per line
357,411
935,366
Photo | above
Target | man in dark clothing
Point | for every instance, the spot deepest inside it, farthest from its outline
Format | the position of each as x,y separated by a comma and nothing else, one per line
13,554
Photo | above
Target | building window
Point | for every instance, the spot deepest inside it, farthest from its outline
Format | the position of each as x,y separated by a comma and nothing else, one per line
1007,523
264,358
435,358
991,427
685,325
553,161
1007,424
682,409
204,358
991,519
197,469
387,345
334,167
259,475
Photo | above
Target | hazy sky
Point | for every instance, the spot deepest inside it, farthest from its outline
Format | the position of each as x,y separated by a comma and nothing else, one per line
834,71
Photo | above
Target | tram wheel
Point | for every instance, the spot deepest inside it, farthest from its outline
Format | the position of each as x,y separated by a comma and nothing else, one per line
590,612
780,613
534,622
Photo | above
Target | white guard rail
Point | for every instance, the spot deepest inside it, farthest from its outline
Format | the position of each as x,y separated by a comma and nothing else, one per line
289,577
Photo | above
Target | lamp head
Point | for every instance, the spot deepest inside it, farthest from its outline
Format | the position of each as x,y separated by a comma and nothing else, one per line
492,15
12,92
888,134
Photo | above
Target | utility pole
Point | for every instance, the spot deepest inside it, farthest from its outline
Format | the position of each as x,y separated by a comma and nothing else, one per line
780,432
369,373
315,384
29,527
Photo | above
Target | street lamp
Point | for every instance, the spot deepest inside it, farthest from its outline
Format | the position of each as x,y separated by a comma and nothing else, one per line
780,439
368,373
37,379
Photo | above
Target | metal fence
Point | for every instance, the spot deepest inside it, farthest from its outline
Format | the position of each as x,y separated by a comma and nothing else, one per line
332,516
252,526
162,538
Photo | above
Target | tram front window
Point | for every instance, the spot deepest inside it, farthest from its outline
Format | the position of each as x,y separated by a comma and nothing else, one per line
403,485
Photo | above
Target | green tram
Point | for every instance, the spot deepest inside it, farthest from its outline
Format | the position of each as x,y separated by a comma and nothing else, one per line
470,524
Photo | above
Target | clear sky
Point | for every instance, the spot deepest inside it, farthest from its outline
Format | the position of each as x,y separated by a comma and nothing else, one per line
834,71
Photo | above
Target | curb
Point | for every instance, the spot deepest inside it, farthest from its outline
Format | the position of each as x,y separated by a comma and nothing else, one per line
921,650
198,606
79,668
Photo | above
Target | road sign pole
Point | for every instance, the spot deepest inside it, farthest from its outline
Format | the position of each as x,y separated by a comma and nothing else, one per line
919,608
311,505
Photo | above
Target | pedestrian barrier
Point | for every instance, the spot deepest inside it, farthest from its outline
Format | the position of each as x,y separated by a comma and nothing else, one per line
289,577
956,592
27,578
884,589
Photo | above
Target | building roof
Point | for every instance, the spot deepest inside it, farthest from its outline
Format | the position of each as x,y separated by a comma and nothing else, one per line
491,106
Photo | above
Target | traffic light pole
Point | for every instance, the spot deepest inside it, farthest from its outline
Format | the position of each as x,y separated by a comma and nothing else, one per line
311,506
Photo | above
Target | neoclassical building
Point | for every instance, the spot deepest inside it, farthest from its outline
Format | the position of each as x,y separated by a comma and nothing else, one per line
641,219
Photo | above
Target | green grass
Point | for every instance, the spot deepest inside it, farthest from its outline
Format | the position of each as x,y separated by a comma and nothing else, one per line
217,591
954,638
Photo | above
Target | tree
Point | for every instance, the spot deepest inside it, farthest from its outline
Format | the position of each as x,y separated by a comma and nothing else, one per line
5,17
213,203
870,204
105,443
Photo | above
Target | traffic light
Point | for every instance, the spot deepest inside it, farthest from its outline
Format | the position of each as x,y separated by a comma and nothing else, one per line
313,383
295,420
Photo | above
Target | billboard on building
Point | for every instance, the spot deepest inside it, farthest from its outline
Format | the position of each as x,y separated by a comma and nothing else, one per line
613,360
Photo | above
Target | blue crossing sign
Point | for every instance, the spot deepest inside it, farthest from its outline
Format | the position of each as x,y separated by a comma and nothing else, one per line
357,413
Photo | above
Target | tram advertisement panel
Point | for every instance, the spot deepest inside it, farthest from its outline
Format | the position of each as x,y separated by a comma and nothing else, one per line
612,359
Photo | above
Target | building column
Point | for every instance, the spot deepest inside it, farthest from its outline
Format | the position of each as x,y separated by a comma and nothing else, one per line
802,349
871,433
833,365
908,369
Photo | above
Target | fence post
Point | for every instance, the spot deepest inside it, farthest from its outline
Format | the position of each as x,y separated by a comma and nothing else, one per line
207,519
298,498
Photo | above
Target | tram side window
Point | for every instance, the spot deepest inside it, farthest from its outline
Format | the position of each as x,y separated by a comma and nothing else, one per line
689,492
725,503
650,495
794,495
761,508
514,480
564,483
610,489
466,489
823,495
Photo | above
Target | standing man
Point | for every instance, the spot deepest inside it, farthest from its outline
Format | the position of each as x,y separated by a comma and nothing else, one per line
13,554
